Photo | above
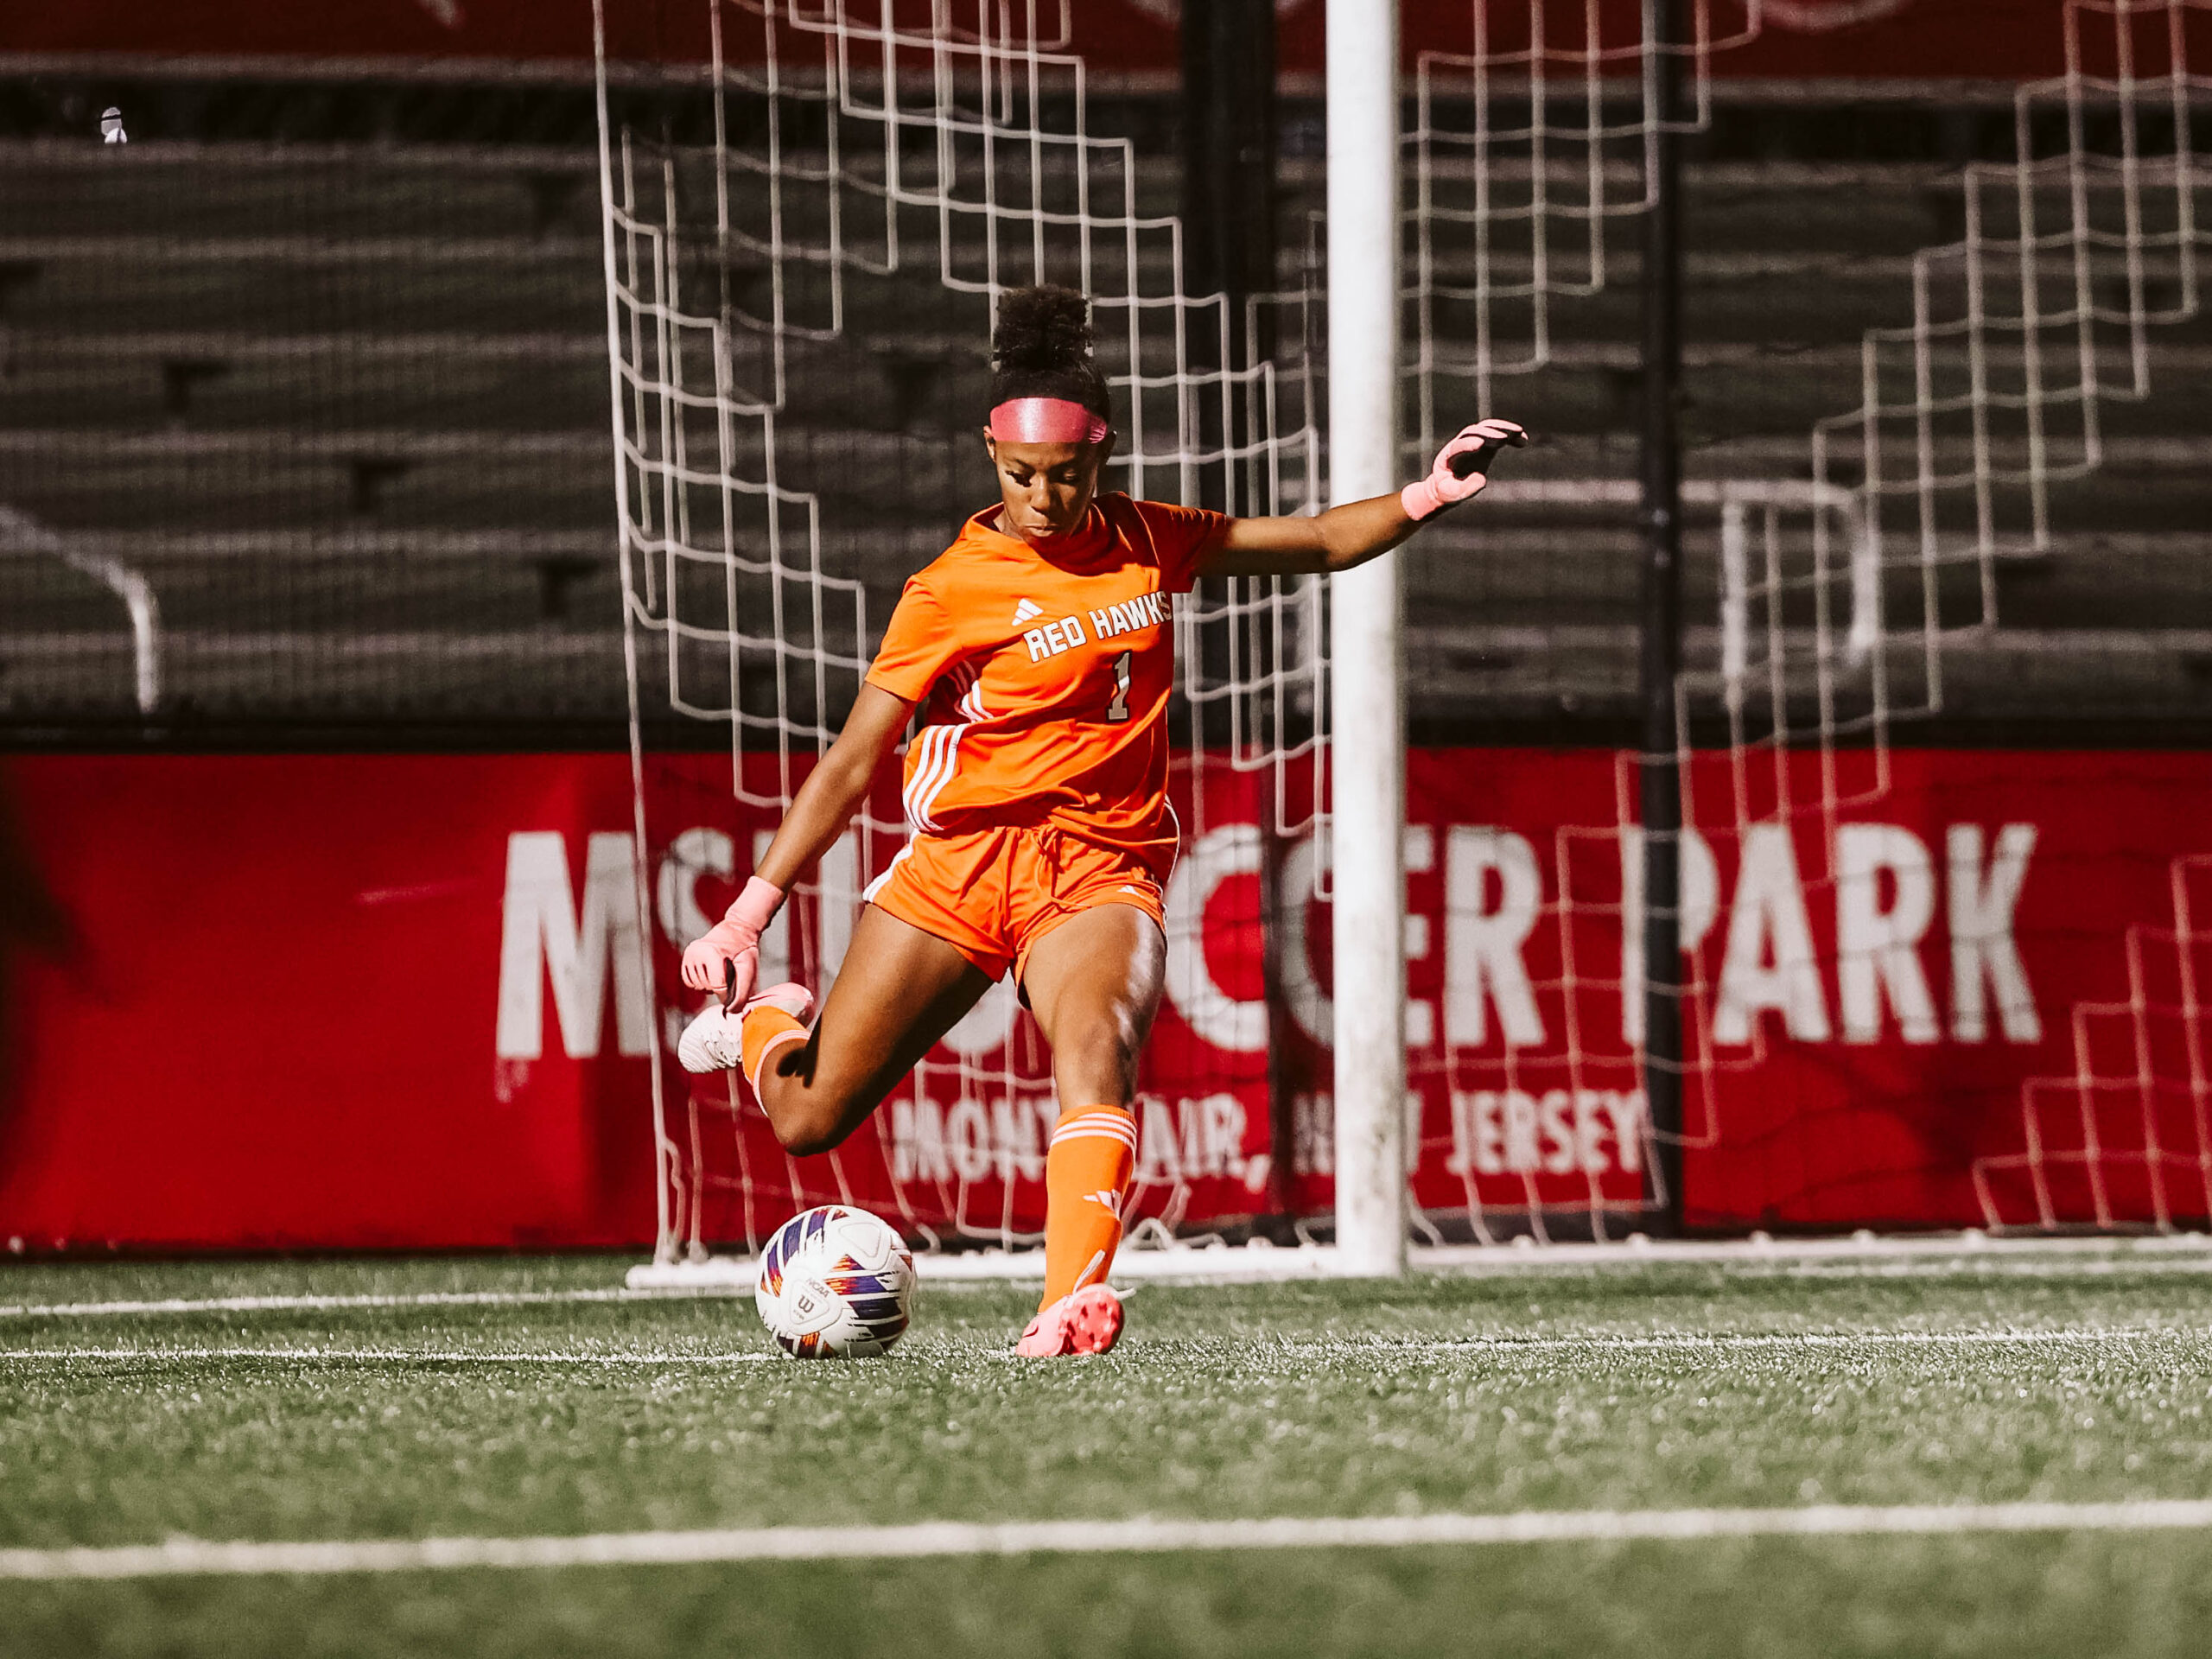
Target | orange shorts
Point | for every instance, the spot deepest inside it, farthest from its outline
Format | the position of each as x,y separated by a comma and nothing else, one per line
991,895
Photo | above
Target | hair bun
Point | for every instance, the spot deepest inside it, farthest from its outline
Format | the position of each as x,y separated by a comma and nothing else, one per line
1042,330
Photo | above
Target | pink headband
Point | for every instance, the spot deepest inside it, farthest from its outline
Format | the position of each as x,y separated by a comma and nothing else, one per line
1045,420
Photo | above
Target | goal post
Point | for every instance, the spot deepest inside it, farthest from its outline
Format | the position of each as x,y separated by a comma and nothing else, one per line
1367,841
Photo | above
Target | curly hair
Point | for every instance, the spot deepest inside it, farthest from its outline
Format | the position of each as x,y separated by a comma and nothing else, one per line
1043,347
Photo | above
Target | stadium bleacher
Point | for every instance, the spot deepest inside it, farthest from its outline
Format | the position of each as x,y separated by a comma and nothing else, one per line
343,406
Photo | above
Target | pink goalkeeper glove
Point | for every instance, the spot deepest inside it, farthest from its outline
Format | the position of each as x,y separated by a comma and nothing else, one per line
727,956
1461,469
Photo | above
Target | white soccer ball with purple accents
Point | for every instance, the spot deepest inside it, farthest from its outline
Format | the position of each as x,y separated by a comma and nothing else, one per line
835,1283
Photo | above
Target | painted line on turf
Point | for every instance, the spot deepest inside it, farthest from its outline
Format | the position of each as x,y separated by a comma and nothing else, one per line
1664,1340
2027,1257
334,1303
1199,1263
349,1355
193,1557
1661,1342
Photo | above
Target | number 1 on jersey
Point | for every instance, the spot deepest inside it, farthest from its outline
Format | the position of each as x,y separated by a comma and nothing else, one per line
1118,710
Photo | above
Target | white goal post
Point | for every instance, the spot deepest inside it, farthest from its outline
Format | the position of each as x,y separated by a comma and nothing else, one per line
1367,850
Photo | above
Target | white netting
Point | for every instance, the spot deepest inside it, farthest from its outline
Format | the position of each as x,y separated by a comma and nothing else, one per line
2023,331
1526,150
1530,153
805,257
2130,1133
855,185
2079,252
1838,600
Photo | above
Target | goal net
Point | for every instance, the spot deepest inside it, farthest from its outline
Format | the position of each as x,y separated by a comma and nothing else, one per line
1833,606
808,230
2033,337
810,210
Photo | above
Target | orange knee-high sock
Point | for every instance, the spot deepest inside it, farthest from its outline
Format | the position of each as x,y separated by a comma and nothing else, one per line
766,1029
1086,1173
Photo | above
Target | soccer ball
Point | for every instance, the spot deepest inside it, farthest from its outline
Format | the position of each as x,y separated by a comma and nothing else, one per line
835,1283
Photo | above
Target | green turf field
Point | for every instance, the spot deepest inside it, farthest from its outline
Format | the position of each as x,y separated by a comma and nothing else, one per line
2068,1379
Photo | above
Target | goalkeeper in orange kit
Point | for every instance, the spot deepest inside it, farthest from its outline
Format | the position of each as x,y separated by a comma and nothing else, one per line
1039,649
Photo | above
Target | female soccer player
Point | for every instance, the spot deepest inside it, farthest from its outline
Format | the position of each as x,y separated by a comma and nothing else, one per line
1039,649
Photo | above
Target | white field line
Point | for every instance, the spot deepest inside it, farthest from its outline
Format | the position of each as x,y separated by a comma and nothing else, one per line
1661,1342
357,1356
320,1303
732,1276
1868,1253
1729,1340
187,1556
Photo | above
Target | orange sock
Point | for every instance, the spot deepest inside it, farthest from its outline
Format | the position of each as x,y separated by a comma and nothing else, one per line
766,1029
1086,1173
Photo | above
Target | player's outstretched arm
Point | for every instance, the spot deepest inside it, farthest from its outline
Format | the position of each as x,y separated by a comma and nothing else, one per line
1352,534
725,958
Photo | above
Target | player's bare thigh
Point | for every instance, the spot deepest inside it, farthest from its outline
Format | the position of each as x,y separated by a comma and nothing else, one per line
899,990
1094,984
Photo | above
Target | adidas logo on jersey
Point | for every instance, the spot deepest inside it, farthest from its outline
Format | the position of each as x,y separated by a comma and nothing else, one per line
1026,609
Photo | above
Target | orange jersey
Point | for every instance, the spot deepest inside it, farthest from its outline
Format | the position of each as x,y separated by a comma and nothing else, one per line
1046,680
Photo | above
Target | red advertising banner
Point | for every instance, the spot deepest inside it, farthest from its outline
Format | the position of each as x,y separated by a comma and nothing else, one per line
396,1001
1986,40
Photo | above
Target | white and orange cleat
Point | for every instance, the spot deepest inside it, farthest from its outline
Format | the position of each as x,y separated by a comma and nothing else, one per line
715,1041
1087,1321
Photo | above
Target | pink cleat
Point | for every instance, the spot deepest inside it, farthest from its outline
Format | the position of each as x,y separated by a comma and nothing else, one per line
1087,1321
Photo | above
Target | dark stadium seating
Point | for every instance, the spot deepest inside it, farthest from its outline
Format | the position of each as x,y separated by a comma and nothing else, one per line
344,407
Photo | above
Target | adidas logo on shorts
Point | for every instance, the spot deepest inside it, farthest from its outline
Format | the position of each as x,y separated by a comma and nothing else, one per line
1026,609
